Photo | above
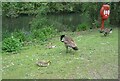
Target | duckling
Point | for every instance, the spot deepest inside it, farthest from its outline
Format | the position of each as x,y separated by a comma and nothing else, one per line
68,42
43,63
107,31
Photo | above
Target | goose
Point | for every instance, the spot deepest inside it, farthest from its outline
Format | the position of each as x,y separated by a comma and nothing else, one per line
107,31
69,42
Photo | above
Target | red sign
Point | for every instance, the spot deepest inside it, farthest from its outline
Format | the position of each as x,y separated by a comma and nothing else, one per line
105,11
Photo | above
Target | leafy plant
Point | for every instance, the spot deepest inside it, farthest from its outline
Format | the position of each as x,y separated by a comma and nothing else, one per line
22,35
11,44
39,22
83,26
12,13
19,35
44,33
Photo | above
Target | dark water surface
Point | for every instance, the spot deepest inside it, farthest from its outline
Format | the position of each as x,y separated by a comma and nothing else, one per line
22,22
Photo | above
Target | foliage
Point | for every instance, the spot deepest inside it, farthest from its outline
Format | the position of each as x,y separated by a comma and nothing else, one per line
43,9
22,35
19,38
42,28
12,13
14,8
44,33
83,26
39,22
92,9
11,44
10,9
19,35
115,14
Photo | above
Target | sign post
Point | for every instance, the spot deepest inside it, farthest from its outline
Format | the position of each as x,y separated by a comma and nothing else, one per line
104,12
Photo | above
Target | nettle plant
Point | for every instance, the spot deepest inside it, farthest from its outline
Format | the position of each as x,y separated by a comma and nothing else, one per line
11,44
44,33
83,26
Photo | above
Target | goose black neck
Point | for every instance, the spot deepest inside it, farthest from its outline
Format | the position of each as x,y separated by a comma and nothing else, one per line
62,36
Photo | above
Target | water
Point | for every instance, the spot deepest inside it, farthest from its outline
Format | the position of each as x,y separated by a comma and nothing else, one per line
69,21
12,24
22,22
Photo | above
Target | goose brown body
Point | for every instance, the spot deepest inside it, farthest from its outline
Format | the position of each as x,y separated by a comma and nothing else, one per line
69,42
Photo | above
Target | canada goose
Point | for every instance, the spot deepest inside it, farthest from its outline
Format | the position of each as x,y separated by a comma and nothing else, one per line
107,31
68,42
43,63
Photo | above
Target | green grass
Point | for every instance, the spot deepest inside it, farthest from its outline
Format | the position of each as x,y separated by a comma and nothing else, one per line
97,58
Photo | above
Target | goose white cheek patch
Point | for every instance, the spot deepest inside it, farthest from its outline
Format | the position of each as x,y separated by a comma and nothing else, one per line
110,31
62,39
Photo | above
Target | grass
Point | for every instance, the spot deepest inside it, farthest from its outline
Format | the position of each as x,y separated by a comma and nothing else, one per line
97,58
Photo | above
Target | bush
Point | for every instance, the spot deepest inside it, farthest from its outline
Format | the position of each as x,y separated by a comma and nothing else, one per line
83,26
19,35
42,28
44,33
22,35
39,22
11,44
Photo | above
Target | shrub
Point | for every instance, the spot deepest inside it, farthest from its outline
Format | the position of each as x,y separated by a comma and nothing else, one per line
19,35
11,44
83,26
39,22
22,35
44,33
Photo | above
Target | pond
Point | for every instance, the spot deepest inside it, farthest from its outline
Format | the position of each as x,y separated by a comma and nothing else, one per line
12,24
22,22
